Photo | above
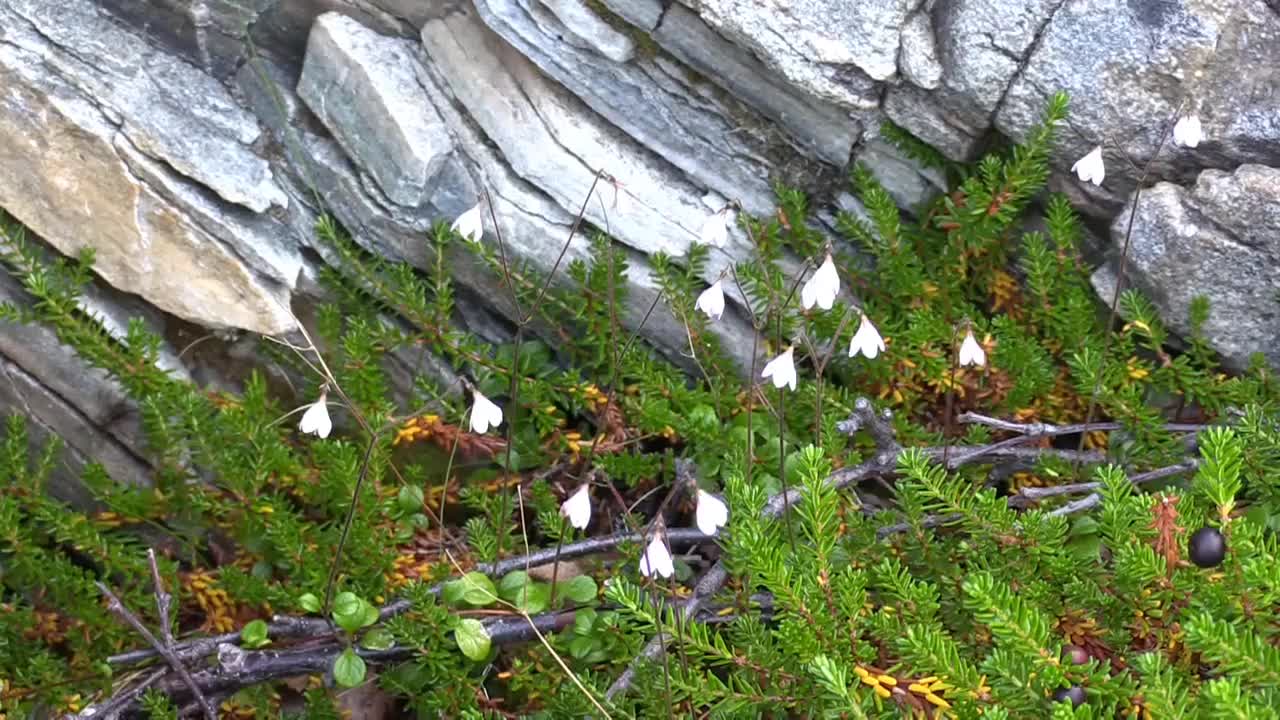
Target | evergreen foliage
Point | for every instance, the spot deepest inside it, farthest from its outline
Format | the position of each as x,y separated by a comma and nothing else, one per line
921,566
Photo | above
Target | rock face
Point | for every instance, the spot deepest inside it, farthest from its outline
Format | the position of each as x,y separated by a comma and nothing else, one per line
1219,239
187,142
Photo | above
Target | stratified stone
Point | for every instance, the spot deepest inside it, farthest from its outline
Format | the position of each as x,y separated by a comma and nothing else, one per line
83,191
718,141
834,49
827,130
364,91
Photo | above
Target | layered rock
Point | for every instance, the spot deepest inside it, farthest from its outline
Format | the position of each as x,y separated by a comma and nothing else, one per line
193,143
1219,239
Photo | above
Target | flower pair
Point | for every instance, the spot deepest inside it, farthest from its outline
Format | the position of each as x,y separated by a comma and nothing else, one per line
484,415
867,342
1187,132
712,514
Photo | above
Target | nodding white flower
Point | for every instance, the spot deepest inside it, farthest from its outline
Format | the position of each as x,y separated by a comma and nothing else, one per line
621,203
711,301
657,559
711,513
316,419
971,353
484,413
578,508
1187,131
1090,168
469,224
782,369
715,229
867,340
821,287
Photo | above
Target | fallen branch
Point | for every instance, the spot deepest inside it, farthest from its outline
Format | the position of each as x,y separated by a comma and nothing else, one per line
238,668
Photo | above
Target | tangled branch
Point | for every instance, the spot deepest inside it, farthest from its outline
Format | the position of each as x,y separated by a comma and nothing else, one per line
309,645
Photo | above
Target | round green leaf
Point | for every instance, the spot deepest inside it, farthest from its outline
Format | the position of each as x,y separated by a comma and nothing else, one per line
533,598
254,635
369,614
309,602
410,499
378,639
472,639
474,589
512,584
581,589
348,669
348,611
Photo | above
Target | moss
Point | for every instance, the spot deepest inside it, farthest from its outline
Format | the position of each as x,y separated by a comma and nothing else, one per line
646,47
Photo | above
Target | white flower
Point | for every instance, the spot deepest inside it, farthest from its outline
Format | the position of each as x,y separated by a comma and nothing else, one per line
316,419
484,414
711,301
867,340
1187,132
469,224
1090,168
621,203
821,287
657,559
711,513
578,508
971,353
715,230
782,369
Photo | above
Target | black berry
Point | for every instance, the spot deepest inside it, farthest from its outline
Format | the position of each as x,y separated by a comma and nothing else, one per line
1207,547
1074,694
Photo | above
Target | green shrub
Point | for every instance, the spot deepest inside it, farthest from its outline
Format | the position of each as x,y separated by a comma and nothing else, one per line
907,537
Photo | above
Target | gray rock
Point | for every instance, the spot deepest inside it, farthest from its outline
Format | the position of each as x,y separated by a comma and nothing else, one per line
917,111
909,185
978,47
167,109
918,61
590,29
362,87
833,49
982,45
827,130
61,396
1221,239
139,237
644,14
719,142
1128,67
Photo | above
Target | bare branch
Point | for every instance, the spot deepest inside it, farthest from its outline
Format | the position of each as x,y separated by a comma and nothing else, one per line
118,607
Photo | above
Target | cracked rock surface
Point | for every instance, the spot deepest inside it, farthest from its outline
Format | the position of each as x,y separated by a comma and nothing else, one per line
149,131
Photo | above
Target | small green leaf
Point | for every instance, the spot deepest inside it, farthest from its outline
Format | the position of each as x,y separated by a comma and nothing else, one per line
474,589
348,669
349,611
369,614
473,639
581,589
309,602
410,499
511,584
254,635
378,639
533,599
